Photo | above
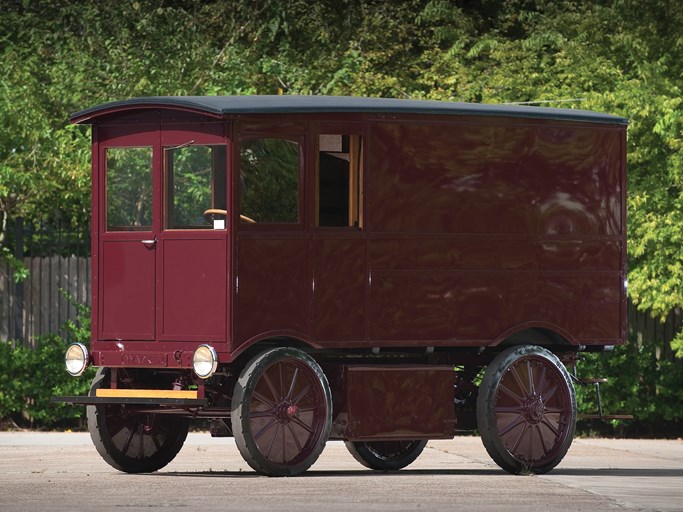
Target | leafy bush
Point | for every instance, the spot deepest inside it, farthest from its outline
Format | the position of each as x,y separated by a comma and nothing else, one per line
640,383
30,377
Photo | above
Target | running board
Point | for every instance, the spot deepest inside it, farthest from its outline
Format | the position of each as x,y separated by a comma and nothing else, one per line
605,417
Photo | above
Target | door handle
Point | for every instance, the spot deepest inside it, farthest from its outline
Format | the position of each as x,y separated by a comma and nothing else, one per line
149,243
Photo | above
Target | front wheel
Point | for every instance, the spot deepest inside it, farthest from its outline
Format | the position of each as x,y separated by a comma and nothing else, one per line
282,412
386,455
130,441
526,410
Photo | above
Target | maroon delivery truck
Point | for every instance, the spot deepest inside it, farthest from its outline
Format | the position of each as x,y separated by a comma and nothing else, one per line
383,272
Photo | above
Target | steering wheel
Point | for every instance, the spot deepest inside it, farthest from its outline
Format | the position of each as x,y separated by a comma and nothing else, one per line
211,213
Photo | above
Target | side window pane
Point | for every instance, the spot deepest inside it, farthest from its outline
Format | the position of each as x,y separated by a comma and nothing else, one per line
269,181
195,186
340,180
129,189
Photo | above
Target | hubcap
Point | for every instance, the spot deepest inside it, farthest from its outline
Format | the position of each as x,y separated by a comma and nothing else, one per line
286,412
534,410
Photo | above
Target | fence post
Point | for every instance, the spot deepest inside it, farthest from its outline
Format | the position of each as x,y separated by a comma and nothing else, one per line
18,333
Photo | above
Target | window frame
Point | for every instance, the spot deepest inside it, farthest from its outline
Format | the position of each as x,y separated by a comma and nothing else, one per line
107,189
300,140
350,129
168,174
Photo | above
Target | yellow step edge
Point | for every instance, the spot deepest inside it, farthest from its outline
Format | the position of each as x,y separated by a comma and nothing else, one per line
144,393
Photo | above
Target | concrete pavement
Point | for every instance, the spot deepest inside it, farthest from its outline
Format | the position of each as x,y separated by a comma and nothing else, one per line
60,472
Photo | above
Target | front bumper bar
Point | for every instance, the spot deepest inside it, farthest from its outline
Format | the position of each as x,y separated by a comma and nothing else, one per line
101,400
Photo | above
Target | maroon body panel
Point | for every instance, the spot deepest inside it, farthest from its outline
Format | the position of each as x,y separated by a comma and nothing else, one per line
389,402
478,229
127,276
340,288
273,287
194,268
491,177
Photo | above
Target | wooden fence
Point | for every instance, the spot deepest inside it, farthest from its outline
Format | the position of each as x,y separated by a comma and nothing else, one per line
37,305
643,328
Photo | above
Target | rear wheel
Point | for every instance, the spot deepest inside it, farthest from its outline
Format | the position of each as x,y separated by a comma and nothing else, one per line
386,455
526,410
133,442
282,412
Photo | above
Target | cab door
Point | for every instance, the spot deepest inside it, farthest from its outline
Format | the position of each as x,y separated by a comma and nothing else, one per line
163,243
126,261
192,285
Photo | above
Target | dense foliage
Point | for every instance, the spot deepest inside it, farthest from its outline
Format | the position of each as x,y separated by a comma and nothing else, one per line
641,384
29,378
623,57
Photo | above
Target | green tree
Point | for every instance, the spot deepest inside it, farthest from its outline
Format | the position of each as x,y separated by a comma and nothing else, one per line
618,56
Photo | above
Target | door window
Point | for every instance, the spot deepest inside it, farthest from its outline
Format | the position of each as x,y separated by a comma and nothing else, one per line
195,187
129,189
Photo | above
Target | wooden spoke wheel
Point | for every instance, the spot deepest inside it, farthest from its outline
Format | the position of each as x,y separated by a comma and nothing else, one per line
526,410
282,412
386,455
133,442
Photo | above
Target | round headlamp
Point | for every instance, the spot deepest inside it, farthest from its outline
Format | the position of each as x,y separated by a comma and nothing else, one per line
204,361
76,359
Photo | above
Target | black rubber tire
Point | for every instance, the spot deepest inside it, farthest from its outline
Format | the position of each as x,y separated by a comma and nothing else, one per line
282,427
386,455
526,410
133,443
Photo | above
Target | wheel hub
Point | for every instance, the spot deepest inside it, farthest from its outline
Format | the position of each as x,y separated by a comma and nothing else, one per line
286,412
534,409
292,412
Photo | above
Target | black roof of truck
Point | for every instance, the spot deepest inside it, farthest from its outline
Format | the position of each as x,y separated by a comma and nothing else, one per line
226,105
